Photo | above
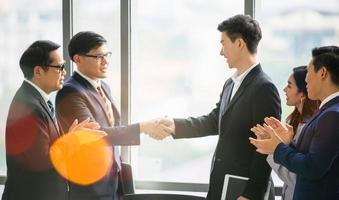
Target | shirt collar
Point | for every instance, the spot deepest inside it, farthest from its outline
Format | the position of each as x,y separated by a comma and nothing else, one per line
328,98
44,95
242,76
94,83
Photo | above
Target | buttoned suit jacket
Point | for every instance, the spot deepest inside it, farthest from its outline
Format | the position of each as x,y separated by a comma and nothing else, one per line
78,99
256,98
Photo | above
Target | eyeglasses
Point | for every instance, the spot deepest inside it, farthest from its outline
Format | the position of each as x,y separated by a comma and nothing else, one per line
60,67
99,57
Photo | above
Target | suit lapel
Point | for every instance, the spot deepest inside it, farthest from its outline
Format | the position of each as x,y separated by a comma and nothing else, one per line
315,116
45,107
43,104
303,131
248,79
93,91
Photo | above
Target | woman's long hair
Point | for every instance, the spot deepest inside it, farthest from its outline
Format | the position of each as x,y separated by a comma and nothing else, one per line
309,107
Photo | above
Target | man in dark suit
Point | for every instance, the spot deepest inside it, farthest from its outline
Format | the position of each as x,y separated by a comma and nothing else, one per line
86,95
315,158
32,127
246,99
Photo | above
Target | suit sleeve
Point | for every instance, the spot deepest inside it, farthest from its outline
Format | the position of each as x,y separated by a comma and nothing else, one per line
72,104
28,140
323,150
198,127
266,102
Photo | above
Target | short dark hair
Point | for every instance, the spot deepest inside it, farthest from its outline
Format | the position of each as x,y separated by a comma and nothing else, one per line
83,42
328,57
37,54
242,26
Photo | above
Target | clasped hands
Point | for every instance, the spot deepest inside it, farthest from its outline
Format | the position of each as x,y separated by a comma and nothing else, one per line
270,134
87,125
158,128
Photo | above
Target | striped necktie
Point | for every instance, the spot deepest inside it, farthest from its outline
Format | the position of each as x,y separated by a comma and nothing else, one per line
108,106
52,110
109,113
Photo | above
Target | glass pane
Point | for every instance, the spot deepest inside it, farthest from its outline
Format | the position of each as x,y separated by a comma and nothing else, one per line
290,30
104,20
176,71
22,22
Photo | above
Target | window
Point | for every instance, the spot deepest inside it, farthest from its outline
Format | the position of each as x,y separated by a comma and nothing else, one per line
176,71
22,22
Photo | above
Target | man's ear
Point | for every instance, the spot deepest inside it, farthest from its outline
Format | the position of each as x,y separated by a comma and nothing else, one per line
241,43
77,58
37,71
323,72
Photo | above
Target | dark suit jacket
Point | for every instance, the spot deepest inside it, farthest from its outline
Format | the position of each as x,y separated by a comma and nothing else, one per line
255,99
78,99
315,158
30,131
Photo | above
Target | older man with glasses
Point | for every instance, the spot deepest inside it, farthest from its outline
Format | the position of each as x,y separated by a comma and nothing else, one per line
32,127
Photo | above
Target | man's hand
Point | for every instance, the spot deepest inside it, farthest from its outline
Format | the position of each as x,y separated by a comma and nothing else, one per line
260,132
267,144
169,122
158,129
86,125
283,131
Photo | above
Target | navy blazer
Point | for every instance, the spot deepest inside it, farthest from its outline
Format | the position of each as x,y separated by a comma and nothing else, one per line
78,99
315,158
256,98
30,131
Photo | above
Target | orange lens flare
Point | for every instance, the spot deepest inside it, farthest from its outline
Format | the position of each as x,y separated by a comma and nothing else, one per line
82,157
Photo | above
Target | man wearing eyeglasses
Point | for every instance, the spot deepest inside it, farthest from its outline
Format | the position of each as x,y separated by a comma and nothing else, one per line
86,95
32,127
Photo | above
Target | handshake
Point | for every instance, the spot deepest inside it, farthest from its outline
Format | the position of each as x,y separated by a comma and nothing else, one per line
158,128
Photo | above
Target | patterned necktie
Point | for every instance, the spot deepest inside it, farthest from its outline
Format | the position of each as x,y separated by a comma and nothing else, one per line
109,113
52,110
108,106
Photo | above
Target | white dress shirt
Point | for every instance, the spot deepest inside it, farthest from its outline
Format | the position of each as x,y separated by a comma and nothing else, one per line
238,79
94,83
328,98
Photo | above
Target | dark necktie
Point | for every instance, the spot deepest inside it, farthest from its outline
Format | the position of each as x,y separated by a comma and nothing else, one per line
231,91
52,110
